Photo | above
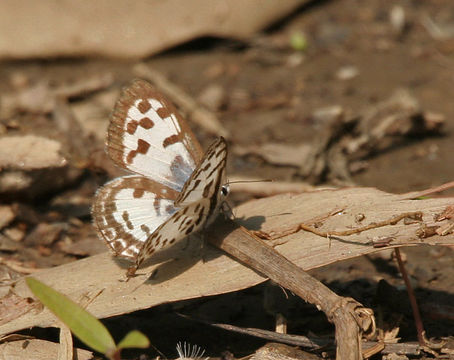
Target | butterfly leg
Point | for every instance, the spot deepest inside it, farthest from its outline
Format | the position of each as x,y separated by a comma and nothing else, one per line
227,210
203,246
131,272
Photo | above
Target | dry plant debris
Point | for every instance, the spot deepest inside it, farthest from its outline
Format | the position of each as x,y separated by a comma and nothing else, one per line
346,141
41,98
279,217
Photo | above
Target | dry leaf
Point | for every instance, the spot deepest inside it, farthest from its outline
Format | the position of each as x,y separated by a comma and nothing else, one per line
53,29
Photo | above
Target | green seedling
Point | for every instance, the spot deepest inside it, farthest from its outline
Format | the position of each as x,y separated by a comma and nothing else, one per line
82,324
298,41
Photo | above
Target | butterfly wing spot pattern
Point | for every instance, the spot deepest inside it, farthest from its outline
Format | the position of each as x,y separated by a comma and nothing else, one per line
175,189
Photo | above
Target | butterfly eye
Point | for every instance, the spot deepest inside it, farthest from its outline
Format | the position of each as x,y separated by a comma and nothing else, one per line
225,190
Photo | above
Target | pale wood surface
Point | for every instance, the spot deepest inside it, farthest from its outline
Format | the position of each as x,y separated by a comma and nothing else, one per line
36,349
97,282
48,28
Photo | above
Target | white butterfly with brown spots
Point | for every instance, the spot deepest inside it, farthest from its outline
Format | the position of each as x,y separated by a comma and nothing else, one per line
175,189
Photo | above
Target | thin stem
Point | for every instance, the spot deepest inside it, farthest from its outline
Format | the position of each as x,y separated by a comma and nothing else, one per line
411,295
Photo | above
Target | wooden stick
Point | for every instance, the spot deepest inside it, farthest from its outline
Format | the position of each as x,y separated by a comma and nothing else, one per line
418,194
411,295
350,317
312,342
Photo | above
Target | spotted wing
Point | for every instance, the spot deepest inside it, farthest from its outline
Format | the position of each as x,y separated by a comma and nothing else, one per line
209,176
127,210
197,208
147,136
181,224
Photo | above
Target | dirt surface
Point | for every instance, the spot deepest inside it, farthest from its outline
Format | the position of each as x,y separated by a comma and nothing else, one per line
265,92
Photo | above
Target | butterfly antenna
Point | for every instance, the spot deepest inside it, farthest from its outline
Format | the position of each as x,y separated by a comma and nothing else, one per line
248,181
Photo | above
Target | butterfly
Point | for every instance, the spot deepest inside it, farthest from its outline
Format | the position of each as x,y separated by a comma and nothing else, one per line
175,189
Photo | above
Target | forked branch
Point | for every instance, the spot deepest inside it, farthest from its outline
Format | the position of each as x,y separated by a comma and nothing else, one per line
351,319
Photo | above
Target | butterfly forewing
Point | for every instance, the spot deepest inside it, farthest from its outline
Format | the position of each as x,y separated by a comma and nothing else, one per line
147,136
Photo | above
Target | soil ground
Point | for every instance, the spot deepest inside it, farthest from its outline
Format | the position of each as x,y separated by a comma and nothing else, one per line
283,88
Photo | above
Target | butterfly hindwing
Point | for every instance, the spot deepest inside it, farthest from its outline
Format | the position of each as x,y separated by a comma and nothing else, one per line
184,222
147,136
206,179
127,210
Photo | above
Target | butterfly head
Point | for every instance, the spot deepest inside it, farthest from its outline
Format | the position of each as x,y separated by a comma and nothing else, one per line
225,190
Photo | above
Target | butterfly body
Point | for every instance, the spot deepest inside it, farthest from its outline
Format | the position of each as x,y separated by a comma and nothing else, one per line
175,190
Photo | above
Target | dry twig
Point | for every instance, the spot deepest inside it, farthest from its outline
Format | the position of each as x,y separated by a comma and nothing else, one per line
427,192
417,216
351,319
314,343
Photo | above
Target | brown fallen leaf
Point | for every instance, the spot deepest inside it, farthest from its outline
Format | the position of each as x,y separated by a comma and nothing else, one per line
44,234
41,98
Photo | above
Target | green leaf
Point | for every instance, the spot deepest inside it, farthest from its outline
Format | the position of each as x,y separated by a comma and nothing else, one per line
134,339
84,325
